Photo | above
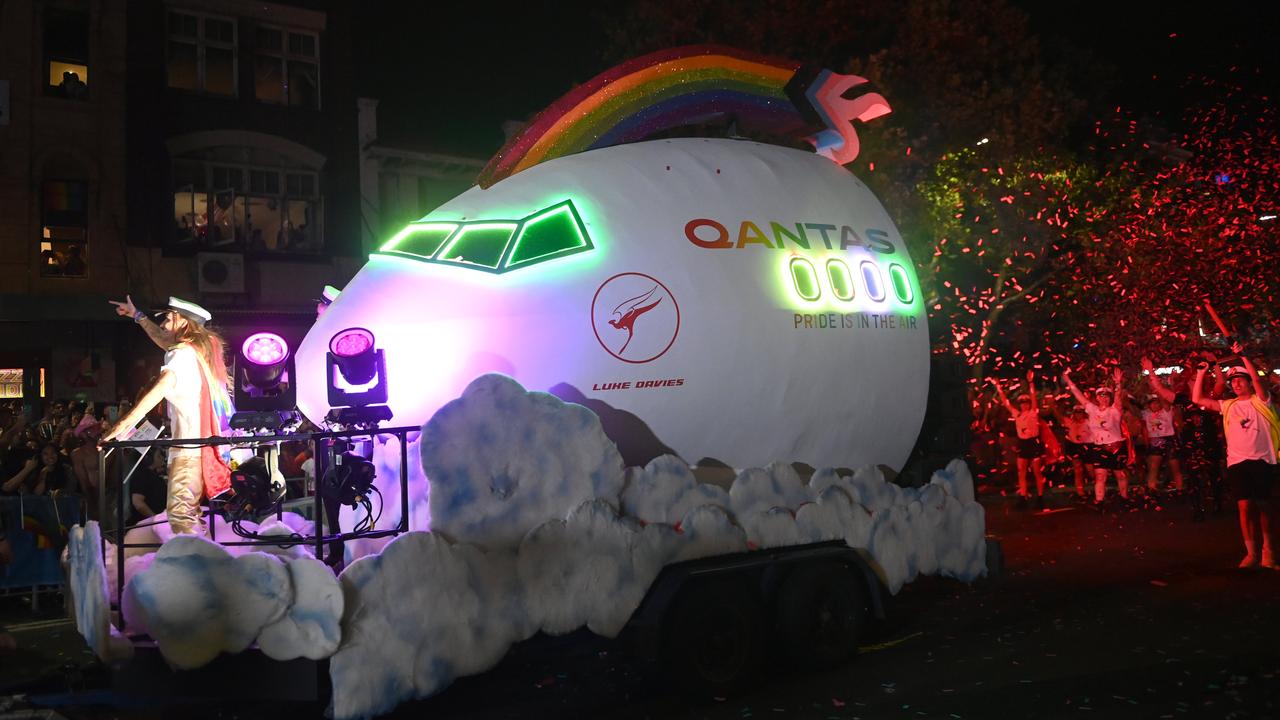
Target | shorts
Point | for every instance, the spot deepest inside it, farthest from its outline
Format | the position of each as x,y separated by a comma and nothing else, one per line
1251,480
1075,450
1030,448
1163,446
1107,457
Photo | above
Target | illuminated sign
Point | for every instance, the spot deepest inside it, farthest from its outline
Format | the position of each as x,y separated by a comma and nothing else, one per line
495,246
714,235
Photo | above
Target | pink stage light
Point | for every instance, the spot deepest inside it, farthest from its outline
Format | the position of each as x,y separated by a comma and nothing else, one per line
265,348
351,342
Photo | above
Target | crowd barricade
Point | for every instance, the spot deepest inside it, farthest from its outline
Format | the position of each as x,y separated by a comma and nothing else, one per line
37,527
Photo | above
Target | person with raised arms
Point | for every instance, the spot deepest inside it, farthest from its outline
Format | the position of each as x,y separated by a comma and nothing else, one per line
1252,429
1026,421
1106,428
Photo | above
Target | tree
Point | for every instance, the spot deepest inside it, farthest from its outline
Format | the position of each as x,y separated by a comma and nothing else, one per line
956,72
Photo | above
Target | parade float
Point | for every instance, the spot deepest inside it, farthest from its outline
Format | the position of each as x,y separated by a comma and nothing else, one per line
601,314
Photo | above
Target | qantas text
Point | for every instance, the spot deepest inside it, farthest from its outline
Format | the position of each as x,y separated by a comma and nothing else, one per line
713,235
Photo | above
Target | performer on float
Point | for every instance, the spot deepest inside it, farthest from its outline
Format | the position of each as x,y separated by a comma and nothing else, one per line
194,381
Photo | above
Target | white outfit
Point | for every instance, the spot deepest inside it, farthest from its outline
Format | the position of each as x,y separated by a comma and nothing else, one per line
1027,424
1078,432
1248,437
184,397
1159,423
1106,426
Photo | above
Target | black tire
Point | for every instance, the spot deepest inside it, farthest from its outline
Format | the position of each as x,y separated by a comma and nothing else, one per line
712,637
821,611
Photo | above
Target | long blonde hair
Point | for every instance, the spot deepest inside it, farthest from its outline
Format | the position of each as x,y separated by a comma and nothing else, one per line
209,344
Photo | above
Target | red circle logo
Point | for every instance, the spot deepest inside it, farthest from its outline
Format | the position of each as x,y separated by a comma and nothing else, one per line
635,317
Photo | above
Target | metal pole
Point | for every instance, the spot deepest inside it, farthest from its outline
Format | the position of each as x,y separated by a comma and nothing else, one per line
404,481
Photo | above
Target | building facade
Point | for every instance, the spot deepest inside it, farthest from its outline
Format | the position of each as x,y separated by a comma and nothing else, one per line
212,156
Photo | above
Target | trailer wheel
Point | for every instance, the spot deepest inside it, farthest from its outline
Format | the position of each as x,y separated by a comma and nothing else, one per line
712,641
820,612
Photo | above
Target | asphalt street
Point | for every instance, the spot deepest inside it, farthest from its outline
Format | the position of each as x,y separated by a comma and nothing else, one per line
1137,614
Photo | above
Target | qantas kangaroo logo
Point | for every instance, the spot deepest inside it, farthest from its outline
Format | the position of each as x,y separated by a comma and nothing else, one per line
635,317
629,310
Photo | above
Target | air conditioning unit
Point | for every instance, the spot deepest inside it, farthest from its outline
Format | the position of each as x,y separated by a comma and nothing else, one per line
220,272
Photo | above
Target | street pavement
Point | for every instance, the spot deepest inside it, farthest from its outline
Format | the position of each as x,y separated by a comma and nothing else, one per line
1139,614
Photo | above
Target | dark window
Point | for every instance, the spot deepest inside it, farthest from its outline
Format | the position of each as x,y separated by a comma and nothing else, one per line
66,54
201,53
286,67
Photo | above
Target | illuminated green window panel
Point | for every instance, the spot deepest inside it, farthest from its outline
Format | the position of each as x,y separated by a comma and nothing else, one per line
871,278
420,239
841,279
554,232
805,278
901,283
495,245
481,244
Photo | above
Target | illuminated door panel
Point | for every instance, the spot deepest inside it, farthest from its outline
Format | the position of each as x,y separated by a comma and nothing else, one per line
805,278
871,278
841,279
901,284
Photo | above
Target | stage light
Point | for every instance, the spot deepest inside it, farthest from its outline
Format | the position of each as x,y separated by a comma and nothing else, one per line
265,391
349,481
357,379
254,492
353,352
266,353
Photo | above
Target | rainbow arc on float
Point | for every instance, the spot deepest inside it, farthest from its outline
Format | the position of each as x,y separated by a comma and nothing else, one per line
686,86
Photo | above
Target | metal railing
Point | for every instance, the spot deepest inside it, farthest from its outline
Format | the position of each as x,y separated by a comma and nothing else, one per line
324,460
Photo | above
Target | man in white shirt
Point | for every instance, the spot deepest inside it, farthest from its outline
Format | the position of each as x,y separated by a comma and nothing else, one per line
1250,424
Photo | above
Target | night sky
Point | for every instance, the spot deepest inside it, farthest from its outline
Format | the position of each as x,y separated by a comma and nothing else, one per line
448,75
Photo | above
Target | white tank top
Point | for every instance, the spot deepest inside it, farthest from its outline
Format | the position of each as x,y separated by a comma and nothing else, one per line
1159,423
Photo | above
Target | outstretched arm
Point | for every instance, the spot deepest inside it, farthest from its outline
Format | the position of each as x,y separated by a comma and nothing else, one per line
1157,387
1197,391
1071,385
1004,400
1031,390
150,399
1122,397
162,339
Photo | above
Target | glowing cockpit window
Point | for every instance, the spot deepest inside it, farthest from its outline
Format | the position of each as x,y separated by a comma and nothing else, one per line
481,244
554,232
419,239
841,280
901,283
805,278
495,245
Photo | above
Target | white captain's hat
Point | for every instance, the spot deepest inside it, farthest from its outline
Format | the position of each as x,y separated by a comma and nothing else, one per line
190,310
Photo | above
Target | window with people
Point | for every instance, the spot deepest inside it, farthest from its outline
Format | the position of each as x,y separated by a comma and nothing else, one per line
219,205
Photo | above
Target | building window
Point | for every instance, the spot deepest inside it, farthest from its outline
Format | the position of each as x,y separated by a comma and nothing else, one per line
65,232
286,67
66,54
202,53
264,210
